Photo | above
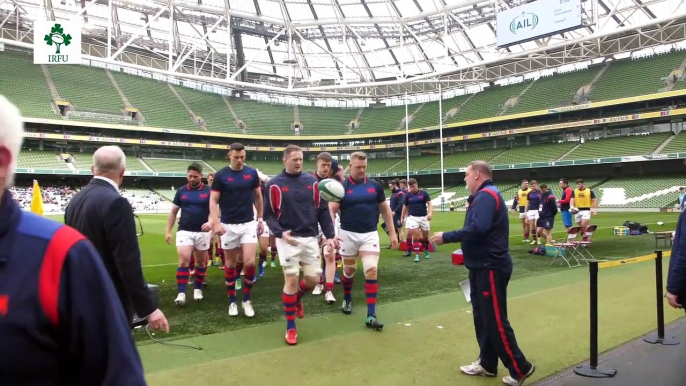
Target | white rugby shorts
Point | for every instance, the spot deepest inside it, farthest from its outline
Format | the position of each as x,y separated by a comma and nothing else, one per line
522,212
532,214
352,243
306,252
236,235
582,215
414,222
199,240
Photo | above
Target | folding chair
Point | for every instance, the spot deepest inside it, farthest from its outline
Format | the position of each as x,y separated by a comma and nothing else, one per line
582,246
566,249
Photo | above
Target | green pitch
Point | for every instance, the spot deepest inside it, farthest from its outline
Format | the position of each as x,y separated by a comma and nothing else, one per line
548,308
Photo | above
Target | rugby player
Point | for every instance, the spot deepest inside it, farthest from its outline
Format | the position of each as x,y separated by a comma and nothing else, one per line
564,202
416,215
546,219
397,203
293,211
359,209
194,233
521,201
583,203
533,206
265,237
324,171
236,188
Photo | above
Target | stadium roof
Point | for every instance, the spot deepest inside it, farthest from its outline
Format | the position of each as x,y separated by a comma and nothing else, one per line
366,48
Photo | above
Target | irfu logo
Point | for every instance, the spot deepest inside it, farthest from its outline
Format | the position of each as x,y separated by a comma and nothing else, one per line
57,37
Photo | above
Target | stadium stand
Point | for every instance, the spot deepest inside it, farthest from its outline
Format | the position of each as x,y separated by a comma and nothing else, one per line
24,84
264,118
211,108
39,159
645,75
156,102
619,146
647,192
677,144
381,119
91,90
325,121
487,103
166,165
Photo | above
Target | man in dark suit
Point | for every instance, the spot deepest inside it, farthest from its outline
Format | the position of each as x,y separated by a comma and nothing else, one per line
106,219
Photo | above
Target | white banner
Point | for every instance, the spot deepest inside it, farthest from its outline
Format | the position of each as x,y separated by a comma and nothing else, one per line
539,18
56,42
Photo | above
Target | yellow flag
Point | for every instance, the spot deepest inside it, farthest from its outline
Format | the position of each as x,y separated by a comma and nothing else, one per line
37,199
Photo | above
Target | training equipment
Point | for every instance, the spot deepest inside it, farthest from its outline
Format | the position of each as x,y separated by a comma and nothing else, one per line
331,190
660,223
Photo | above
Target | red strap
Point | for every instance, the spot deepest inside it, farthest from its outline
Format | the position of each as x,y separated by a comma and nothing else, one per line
497,200
51,270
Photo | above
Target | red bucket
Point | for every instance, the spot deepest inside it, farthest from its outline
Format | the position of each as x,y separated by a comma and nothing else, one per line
458,257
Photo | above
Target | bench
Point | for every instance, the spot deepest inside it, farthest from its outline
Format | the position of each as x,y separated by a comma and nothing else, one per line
665,237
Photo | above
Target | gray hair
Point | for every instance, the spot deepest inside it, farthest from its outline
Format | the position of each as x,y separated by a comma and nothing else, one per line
11,135
109,159
482,167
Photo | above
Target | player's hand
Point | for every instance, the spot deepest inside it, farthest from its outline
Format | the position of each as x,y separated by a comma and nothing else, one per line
673,301
394,241
260,228
594,213
331,244
158,321
206,227
286,236
429,216
218,229
437,238
167,238
337,241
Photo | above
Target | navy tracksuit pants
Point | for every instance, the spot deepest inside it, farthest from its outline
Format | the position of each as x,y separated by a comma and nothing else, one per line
493,331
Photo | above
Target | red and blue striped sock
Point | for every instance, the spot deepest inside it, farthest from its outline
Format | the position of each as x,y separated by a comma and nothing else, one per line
248,281
534,236
182,274
273,253
347,287
289,302
200,277
425,245
230,278
302,289
370,289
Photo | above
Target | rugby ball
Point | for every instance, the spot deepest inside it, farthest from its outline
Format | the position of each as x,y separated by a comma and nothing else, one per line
331,190
574,210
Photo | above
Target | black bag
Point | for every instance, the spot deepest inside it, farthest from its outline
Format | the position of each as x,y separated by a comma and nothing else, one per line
635,226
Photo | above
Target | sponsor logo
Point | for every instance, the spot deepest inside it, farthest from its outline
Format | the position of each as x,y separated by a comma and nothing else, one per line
524,23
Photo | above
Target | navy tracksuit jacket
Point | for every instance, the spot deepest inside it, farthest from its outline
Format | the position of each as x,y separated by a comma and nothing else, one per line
676,279
61,321
485,244
292,203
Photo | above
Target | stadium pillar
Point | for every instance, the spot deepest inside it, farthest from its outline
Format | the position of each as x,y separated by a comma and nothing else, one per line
440,131
591,369
109,29
658,337
407,139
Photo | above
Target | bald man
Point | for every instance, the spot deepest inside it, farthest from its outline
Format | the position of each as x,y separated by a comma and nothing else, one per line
106,219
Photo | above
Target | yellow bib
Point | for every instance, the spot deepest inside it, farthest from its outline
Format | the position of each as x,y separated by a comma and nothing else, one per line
582,198
523,196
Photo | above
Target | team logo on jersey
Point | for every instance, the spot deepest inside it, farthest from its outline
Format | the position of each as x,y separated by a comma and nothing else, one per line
247,177
184,197
203,195
4,304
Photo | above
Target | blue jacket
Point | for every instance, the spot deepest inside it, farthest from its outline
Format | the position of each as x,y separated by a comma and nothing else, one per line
397,202
548,205
676,279
60,317
485,234
292,203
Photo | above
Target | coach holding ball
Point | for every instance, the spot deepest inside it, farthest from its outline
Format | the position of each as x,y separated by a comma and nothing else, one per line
485,243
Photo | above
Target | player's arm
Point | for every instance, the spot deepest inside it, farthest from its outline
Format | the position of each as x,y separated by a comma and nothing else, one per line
405,209
121,230
594,202
483,208
257,194
92,321
568,196
676,279
387,217
429,207
334,207
400,204
215,195
171,219
571,202
515,202
326,221
269,215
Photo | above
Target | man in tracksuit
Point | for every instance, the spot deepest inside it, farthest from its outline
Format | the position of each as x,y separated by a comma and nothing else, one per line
547,212
293,210
485,243
61,321
397,203
676,279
